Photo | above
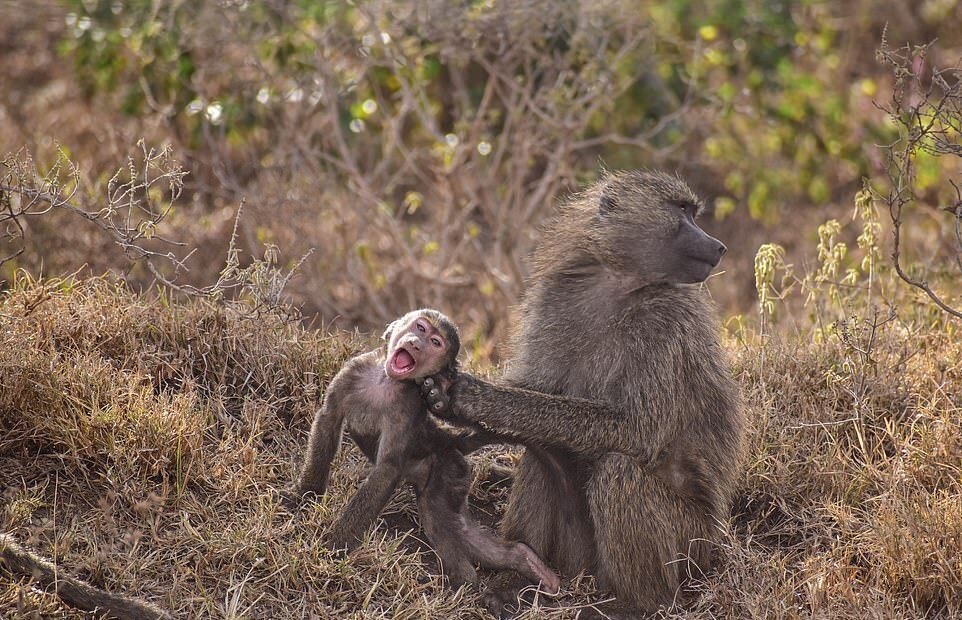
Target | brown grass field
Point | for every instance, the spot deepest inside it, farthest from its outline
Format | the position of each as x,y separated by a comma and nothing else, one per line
144,443
415,148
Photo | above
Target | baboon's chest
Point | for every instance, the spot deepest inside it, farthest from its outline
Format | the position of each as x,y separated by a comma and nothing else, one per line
379,403
386,407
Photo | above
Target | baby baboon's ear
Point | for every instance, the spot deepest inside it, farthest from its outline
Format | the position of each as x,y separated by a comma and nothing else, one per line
389,330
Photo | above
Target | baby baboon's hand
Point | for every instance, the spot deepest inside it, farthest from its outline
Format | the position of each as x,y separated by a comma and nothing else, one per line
435,391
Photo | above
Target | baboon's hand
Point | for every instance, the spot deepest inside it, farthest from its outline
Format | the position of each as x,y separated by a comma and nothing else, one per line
436,393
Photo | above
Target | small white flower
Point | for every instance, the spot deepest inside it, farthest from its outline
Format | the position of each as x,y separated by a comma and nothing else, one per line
295,94
215,113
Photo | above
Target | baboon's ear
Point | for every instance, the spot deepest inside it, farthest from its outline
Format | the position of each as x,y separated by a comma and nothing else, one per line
389,330
606,205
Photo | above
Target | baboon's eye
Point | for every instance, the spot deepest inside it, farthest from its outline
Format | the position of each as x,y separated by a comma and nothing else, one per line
436,342
420,327
688,209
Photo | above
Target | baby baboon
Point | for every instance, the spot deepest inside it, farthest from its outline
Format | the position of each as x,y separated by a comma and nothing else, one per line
377,398
73,591
621,392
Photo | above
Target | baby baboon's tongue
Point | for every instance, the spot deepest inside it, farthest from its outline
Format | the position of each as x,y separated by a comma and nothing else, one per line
403,360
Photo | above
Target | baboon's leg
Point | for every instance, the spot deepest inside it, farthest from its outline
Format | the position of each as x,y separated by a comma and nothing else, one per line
366,505
321,448
644,565
440,527
492,551
524,520
547,513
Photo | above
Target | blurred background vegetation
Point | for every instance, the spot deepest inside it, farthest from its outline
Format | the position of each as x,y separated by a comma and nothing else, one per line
417,145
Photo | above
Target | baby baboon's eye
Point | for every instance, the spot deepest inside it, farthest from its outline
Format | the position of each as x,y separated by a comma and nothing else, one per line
436,342
420,327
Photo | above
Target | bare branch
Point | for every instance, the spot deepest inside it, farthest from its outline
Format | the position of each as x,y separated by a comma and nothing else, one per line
139,197
926,107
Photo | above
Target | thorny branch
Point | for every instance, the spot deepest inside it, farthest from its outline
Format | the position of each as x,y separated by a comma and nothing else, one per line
138,198
926,107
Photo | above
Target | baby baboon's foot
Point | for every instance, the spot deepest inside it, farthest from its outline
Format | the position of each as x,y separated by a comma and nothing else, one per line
341,540
550,581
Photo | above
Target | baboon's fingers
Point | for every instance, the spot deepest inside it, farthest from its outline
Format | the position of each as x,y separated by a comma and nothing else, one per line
434,396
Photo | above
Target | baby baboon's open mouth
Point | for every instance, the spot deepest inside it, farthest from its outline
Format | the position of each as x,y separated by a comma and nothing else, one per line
402,362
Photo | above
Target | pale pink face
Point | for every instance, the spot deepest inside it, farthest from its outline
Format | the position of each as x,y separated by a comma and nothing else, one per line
417,349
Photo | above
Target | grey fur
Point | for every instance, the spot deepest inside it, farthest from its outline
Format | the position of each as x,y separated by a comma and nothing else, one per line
388,421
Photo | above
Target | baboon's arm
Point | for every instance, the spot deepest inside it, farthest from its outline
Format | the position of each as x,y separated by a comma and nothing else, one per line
471,440
584,426
321,448
366,504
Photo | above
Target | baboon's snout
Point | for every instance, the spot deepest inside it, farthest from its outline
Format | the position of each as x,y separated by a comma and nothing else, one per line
722,248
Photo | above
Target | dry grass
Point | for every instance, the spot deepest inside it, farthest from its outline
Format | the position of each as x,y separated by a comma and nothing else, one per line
143,442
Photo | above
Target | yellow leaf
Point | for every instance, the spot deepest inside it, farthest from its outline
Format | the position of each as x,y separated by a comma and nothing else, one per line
708,33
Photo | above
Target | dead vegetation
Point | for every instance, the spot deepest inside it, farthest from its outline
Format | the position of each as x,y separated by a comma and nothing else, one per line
144,441
144,438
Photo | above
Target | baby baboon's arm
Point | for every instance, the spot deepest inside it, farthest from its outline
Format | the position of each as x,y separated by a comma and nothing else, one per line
366,505
321,448
584,426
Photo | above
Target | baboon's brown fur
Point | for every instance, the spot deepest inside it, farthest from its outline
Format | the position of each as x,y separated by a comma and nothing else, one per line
621,391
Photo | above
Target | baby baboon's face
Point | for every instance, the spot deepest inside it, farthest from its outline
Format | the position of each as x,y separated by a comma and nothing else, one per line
650,220
419,345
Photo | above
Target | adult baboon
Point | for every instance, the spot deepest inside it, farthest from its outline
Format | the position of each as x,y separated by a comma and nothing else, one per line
376,398
621,392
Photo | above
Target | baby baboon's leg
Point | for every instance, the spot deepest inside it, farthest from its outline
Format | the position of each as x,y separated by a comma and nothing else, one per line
366,505
439,523
491,551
